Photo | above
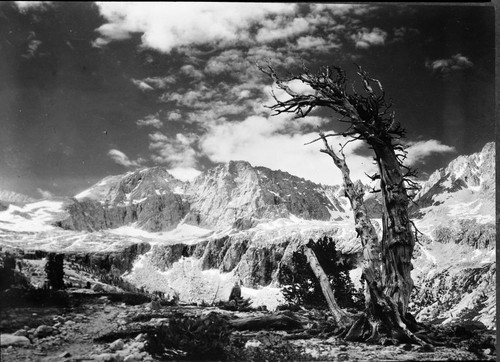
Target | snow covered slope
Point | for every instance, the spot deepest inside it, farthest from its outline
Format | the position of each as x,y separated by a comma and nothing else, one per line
465,189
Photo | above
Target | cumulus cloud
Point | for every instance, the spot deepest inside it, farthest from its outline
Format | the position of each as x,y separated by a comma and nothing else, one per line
175,151
45,194
295,85
366,38
456,63
278,143
160,82
174,116
281,28
24,6
227,61
122,159
151,120
32,47
418,151
312,43
184,173
166,25
402,33
143,86
192,72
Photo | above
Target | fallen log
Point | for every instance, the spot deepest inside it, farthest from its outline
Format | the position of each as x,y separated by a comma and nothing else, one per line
276,322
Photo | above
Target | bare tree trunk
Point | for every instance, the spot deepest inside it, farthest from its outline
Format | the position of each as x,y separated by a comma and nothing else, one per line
398,240
383,318
387,263
342,317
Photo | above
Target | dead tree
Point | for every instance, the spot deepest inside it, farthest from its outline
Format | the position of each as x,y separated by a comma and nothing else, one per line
387,262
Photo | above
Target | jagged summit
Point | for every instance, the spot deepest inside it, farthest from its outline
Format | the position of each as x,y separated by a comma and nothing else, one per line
238,194
133,187
465,187
230,195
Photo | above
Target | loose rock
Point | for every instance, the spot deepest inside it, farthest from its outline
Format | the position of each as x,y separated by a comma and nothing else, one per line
21,332
117,345
12,340
43,331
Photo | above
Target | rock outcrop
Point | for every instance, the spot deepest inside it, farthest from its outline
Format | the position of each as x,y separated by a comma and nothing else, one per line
239,195
458,293
233,195
468,232
151,198
467,179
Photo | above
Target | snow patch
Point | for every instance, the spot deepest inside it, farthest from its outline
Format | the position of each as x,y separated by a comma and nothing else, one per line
31,217
185,233
178,190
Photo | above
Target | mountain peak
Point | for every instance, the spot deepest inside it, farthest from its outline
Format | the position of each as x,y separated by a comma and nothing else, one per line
466,187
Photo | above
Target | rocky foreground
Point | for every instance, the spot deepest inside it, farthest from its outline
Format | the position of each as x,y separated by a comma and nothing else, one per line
83,325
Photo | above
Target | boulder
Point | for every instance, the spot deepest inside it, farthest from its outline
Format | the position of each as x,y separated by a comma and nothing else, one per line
43,331
21,332
117,345
12,340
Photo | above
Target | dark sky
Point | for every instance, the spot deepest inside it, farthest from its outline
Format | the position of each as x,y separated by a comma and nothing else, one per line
89,90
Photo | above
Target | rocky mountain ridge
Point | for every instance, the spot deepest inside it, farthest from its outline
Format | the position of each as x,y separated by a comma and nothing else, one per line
233,195
239,222
467,183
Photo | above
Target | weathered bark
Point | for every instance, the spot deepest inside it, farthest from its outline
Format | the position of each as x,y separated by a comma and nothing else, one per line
387,263
342,318
383,316
398,239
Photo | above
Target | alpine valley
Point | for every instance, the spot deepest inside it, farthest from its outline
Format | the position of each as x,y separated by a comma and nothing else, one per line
237,222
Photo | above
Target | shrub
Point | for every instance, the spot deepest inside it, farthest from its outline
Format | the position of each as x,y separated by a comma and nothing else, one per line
55,270
190,338
7,272
301,286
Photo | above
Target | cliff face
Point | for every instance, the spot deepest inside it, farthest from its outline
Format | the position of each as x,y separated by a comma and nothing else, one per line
465,188
233,195
239,195
238,222
150,198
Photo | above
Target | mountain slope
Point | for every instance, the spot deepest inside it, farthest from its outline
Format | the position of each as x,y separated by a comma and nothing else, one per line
239,195
233,195
464,189
151,198
10,197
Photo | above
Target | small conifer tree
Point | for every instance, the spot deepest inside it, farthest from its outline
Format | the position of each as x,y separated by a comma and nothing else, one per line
55,270
301,287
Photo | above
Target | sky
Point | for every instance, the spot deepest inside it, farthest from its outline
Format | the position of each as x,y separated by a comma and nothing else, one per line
89,90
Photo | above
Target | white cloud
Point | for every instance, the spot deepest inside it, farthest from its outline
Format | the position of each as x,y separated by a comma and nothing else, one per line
160,82
175,151
32,48
295,85
228,61
24,6
143,86
150,120
365,38
184,173
45,194
166,25
122,159
174,116
281,28
314,43
457,62
418,151
192,72
278,143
